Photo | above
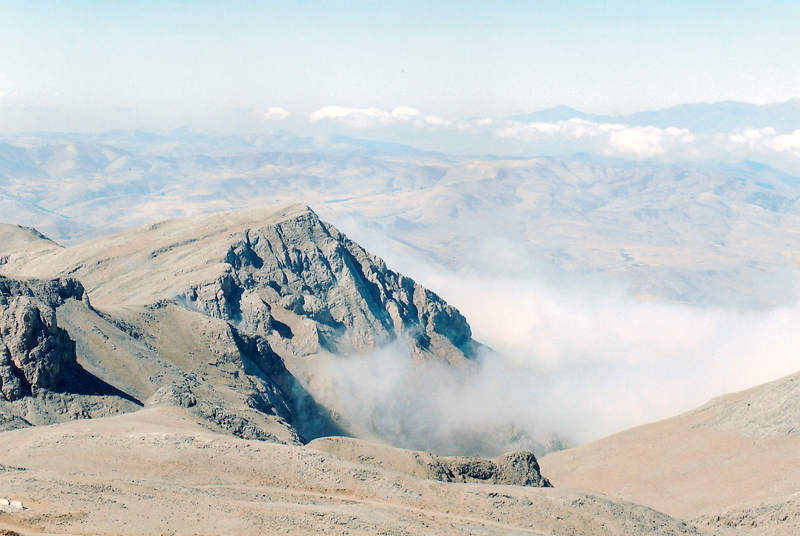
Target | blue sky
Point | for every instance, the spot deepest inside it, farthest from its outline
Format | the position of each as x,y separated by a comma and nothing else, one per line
93,65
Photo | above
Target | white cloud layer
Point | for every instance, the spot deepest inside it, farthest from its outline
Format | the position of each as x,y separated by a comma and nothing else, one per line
610,139
577,358
362,118
275,113
787,142
355,117
767,139
487,135
404,112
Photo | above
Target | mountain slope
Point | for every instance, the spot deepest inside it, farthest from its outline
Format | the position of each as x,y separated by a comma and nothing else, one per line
262,268
177,476
732,462
726,116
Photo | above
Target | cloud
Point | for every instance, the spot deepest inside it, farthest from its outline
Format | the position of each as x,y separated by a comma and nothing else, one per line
572,128
573,362
768,140
374,117
572,355
400,116
354,117
404,112
436,120
752,135
787,142
605,138
639,141
274,113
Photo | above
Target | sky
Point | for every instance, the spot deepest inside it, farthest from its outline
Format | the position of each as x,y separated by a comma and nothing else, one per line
89,66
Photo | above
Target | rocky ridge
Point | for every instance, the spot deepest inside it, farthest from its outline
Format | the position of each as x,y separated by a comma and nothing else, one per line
304,267
244,295
278,272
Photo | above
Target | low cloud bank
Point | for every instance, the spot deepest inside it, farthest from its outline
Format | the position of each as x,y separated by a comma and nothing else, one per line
371,118
572,358
569,136
611,139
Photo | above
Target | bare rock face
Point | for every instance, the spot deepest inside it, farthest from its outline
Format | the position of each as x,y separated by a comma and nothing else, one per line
519,468
34,351
303,268
51,292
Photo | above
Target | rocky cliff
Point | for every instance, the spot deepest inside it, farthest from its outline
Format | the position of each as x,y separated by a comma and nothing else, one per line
35,354
301,267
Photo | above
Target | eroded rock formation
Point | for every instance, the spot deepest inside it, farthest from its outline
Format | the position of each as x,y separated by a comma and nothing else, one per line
35,353
303,267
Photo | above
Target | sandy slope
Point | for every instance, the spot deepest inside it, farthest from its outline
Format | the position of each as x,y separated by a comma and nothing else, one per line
160,471
734,461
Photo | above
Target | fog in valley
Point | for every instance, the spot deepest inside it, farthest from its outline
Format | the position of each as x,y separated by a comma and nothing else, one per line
572,357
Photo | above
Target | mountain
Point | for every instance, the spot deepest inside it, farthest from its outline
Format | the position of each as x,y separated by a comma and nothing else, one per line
151,381
730,463
241,292
262,268
726,116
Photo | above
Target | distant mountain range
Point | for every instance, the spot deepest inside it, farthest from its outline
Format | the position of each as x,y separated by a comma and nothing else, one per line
726,116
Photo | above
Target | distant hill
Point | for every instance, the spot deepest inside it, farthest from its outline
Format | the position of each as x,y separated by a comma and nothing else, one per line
726,116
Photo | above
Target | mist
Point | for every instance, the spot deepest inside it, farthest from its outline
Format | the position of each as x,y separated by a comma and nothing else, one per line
568,358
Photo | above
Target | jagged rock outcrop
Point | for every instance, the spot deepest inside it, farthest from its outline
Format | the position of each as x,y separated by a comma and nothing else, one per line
518,468
306,268
35,353
51,292
41,380
231,380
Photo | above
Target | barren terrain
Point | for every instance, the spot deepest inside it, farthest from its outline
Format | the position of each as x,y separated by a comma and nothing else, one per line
161,471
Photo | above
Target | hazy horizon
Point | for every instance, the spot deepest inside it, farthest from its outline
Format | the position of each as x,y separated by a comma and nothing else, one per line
88,66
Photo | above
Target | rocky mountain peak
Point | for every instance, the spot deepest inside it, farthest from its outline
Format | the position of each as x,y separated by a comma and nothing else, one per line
301,269
279,272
